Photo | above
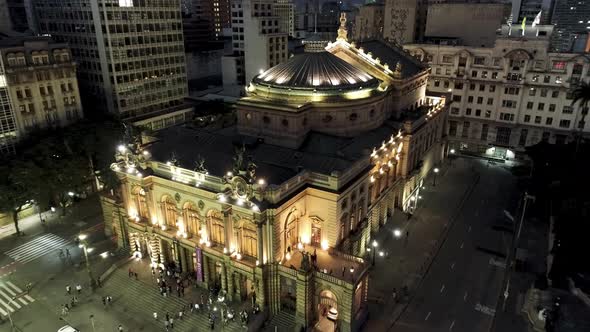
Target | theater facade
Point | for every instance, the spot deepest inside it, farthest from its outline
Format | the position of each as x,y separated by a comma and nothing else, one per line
280,208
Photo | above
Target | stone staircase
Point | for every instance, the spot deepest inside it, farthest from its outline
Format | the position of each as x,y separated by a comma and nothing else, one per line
284,321
142,300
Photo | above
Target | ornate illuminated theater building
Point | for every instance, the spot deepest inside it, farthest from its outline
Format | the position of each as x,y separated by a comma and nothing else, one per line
280,208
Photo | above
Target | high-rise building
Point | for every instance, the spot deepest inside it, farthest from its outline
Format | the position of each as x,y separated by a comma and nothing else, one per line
16,15
449,20
369,22
130,55
257,43
530,9
400,21
40,80
8,131
216,12
509,96
572,22
285,9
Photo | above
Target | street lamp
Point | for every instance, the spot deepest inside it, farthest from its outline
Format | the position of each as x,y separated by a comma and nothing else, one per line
397,233
375,245
436,170
84,246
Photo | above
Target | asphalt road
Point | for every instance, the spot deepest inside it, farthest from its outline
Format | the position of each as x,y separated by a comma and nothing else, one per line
461,288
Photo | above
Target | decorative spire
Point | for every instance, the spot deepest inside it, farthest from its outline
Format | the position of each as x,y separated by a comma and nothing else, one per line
342,32
398,70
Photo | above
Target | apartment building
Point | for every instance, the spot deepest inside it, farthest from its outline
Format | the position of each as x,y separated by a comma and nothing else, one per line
40,85
130,55
510,96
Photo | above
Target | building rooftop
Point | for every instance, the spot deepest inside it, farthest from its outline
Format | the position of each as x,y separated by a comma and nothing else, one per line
316,70
391,55
320,153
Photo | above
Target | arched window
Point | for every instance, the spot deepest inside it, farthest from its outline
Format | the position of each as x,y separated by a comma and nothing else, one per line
343,221
140,201
248,239
216,227
169,211
316,231
191,217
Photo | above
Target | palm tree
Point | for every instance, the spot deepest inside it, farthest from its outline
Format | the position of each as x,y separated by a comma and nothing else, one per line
581,96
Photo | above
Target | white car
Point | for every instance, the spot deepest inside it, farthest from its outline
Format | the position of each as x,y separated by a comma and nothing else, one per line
68,328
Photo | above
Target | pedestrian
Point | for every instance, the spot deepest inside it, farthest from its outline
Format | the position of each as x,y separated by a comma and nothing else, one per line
135,273
394,294
168,273
178,290
166,324
120,328
99,282
182,291
68,289
109,300
407,234
172,323
104,301
169,289
130,272
180,314
155,315
68,253
79,288
167,316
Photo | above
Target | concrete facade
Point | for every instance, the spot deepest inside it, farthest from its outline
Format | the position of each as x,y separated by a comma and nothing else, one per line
400,21
250,231
42,84
369,22
474,23
510,96
130,58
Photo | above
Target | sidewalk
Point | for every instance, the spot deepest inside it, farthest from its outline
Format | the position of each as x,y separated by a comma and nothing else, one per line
408,257
80,216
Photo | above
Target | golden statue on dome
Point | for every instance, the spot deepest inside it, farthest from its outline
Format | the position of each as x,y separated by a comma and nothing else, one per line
342,32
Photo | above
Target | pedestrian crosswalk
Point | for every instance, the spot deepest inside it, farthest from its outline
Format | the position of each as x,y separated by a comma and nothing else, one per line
12,298
36,248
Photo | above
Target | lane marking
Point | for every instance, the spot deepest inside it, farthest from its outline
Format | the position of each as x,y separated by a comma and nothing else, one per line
469,230
465,297
453,265
427,316
452,324
461,245
442,288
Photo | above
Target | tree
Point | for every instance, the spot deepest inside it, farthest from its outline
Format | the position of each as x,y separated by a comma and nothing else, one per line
581,96
14,194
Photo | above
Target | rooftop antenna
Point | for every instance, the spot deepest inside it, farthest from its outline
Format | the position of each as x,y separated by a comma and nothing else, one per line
315,23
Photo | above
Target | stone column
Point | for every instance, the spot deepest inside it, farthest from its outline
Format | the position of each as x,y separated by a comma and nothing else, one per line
259,236
183,258
305,302
206,271
223,277
230,283
227,222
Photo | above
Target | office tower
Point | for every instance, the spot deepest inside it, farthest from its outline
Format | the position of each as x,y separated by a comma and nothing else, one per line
17,16
285,9
216,12
7,120
572,22
130,55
